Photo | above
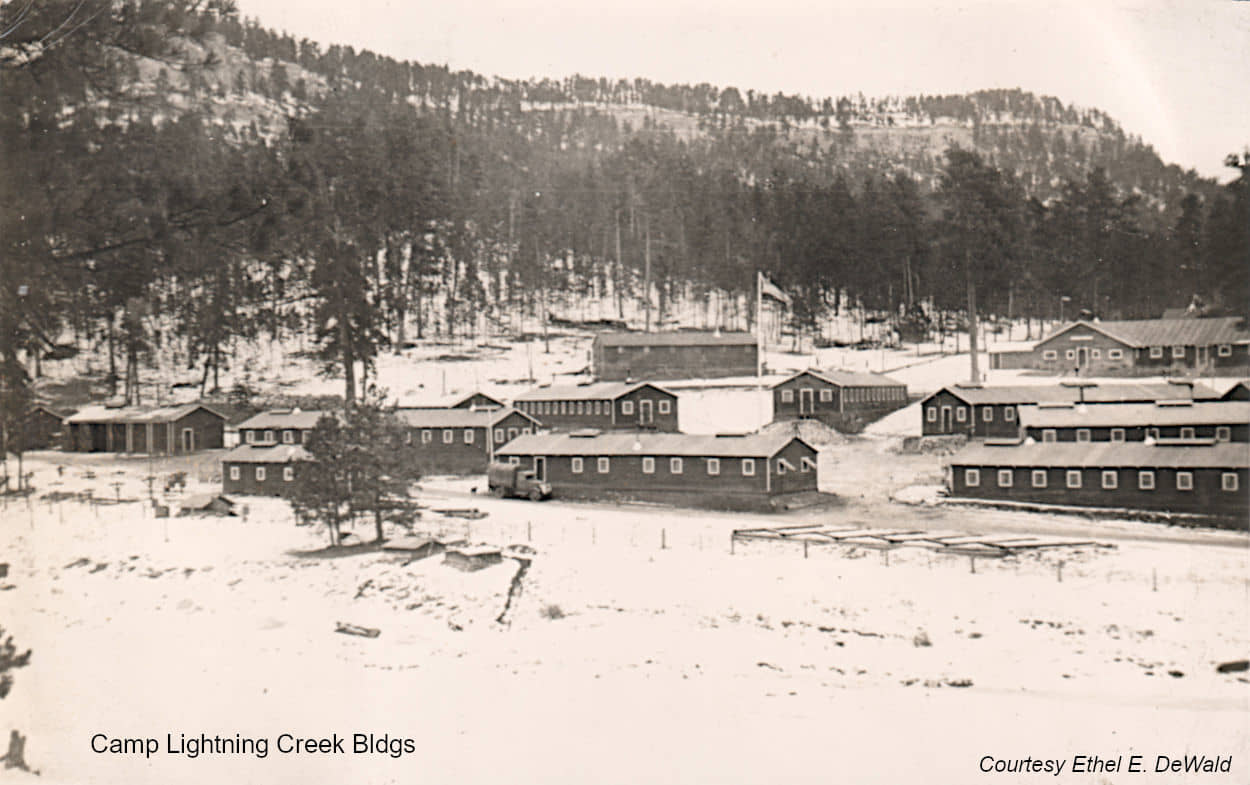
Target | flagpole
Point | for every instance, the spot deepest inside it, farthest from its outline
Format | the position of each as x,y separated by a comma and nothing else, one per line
759,344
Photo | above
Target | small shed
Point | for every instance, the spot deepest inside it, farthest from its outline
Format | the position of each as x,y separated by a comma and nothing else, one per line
43,428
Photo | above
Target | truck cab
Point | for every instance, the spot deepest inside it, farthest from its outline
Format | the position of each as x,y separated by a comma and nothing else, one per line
506,479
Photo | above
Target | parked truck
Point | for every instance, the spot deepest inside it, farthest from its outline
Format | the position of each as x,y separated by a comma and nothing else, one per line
508,479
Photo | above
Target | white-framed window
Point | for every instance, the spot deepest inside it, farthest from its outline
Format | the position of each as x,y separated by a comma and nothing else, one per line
288,437
1050,435
972,477
648,465
1005,477
1095,354
1146,480
1070,354
961,414
270,438
674,466
1009,413
713,466
1115,354
526,430
1225,350
1156,352
664,406
564,407
499,435
578,464
930,414
1039,478
407,437
603,465
234,472
260,474
427,436
512,432
449,436
1223,433
787,396
987,414
583,407
1187,433
1082,434
288,473
1184,481
748,467
807,464
249,436
826,395
514,459
1073,478
1178,352
627,408
1228,481
1050,354
1152,433
468,436
1110,480
1117,434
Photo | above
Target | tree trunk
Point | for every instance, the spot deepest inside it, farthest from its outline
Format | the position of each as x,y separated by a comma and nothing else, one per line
972,318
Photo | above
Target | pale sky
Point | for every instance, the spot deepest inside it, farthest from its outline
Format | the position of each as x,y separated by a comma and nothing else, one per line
1176,73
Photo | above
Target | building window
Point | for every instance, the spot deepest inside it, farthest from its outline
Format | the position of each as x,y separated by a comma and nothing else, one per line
1004,478
1228,481
1115,354
1073,478
269,438
1110,480
250,436
972,477
930,414
960,414
1152,433
1070,354
665,406
1009,414
1050,354
713,466
512,432
1095,354
1146,480
449,436
288,473
288,437
499,435
604,465
1082,434
427,437
1050,435
1225,350
1117,434
260,474
1187,433
1184,481
407,437
648,465
1039,478
826,395
787,396
748,467
234,472
806,464
987,413
578,464
627,408
1156,352
1223,433
525,430
674,465
514,459
468,436
1178,352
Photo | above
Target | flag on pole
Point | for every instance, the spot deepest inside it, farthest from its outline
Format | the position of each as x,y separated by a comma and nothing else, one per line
770,289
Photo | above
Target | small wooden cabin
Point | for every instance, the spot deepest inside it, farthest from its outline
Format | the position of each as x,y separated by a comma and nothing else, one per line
43,428
622,356
751,471
262,469
602,405
171,430
845,400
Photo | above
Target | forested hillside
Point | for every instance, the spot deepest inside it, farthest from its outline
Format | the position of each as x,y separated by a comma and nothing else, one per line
177,177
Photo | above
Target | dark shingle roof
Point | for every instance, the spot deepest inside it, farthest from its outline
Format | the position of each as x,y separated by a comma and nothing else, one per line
1071,393
598,391
754,445
677,339
98,413
841,378
283,418
1228,455
456,418
279,453
1170,332
1134,414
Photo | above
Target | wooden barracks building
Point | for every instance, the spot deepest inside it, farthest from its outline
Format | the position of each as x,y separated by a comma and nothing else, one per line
171,430
268,458
841,399
992,412
1146,346
1188,422
620,356
752,471
461,441
1209,480
602,405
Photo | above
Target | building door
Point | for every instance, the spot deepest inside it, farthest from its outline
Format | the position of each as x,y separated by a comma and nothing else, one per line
540,469
948,421
188,440
646,412
1202,356
1082,358
807,400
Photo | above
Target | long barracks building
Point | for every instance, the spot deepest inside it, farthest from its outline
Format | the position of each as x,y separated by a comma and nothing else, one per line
602,405
619,356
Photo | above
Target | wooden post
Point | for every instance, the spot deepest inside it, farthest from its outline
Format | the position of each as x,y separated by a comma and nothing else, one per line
805,549
731,544
1059,571
1154,578
529,531
663,538
972,562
